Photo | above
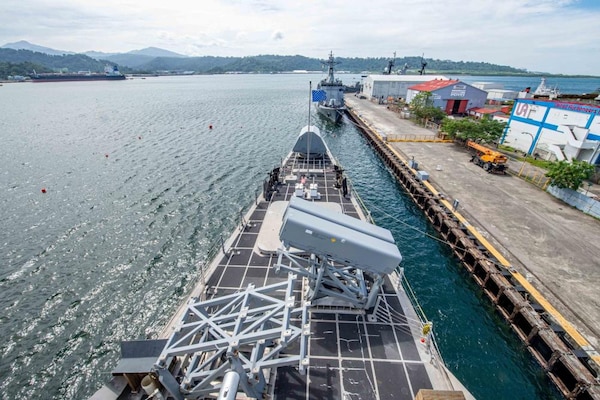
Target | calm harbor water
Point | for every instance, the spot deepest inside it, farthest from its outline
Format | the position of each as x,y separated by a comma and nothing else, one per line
137,187
564,85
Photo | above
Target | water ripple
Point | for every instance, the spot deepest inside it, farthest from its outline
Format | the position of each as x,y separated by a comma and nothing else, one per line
138,187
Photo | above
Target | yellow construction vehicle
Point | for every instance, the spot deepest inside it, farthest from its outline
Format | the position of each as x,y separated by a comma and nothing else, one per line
488,159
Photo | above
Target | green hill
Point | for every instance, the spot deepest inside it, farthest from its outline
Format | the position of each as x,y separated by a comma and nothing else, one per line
22,62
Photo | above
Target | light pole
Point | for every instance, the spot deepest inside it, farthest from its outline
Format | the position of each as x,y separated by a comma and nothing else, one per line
532,139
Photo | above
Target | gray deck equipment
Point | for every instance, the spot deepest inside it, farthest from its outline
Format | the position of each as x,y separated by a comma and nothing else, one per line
342,250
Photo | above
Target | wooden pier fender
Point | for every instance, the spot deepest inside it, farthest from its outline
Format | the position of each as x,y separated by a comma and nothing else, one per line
508,301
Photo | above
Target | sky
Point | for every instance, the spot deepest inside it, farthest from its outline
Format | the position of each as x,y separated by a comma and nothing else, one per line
555,36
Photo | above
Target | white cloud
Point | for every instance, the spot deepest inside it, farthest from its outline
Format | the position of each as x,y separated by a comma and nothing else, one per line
547,35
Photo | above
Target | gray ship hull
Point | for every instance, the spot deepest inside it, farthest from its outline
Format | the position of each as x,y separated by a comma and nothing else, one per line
334,114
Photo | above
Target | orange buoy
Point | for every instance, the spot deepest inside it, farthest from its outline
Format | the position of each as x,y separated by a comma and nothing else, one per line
43,190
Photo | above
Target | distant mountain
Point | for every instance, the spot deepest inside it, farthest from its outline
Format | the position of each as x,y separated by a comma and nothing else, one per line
203,65
140,58
155,52
25,45
129,60
136,58
98,55
155,60
23,62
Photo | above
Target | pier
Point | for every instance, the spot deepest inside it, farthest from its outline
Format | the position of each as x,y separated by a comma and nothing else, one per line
534,257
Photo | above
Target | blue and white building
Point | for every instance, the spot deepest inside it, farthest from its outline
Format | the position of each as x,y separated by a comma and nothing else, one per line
555,130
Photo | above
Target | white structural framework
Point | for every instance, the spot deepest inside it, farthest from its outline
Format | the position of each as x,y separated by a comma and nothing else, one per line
232,343
243,332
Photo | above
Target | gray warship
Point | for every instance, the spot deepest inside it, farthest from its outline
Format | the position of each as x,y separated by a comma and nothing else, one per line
329,96
306,299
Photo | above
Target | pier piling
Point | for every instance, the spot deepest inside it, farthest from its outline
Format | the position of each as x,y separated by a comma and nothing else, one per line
570,367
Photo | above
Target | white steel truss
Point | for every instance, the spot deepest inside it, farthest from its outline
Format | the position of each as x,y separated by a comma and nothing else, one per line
245,332
328,280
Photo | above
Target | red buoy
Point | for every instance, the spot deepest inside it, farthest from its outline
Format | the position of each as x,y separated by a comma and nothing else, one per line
43,190
139,137
210,127
106,155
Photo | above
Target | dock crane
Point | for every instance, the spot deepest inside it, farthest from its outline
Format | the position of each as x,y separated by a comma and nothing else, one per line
488,159
423,65
390,67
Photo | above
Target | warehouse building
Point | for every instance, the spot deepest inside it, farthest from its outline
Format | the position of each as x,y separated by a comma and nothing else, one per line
555,130
395,86
452,96
496,92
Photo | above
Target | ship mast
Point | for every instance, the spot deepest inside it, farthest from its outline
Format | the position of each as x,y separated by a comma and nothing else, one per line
309,130
330,63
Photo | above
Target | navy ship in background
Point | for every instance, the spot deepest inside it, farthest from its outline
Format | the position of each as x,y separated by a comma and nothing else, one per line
111,73
329,96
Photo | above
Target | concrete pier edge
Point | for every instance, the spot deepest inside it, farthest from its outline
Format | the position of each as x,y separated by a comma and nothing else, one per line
586,376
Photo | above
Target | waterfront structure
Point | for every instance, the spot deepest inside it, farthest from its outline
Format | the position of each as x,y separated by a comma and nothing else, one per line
500,95
452,96
396,86
487,86
497,93
555,130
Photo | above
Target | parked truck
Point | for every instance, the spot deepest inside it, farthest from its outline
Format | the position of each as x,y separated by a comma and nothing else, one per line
490,160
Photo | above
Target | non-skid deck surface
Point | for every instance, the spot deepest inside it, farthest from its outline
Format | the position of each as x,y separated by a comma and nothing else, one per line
350,357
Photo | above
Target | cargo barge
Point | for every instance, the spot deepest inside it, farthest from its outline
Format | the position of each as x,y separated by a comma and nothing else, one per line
111,73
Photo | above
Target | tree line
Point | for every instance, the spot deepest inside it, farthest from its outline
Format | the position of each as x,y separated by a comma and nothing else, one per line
22,62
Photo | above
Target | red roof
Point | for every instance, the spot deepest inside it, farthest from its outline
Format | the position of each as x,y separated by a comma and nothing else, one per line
485,110
434,85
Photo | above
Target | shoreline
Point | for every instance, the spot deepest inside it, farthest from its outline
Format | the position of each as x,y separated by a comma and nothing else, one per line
539,237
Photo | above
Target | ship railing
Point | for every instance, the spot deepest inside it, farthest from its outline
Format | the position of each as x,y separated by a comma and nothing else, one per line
215,247
424,325
220,245
421,323
359,201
